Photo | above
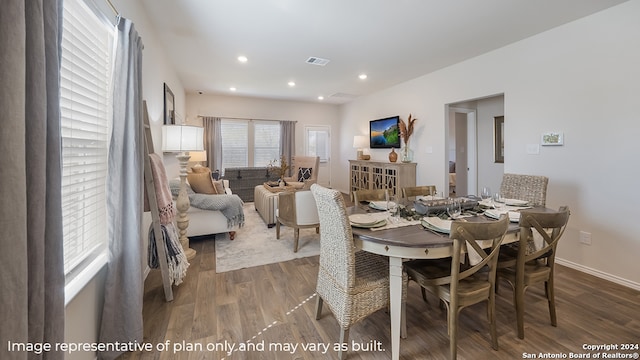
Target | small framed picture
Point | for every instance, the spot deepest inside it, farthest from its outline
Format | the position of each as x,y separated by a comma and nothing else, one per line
552,138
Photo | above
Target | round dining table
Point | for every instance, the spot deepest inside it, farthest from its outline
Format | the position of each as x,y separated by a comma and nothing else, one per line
407,242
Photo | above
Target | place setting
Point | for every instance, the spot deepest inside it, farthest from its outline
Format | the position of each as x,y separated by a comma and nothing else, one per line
497,205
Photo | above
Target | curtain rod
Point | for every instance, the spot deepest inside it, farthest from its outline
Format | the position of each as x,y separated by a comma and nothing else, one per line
237,118
113,8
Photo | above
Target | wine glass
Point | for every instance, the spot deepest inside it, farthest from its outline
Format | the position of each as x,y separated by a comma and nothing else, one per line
453,209
498,201
392,208
486,193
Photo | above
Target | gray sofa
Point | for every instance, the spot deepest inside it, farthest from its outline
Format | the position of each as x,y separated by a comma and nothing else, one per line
243,180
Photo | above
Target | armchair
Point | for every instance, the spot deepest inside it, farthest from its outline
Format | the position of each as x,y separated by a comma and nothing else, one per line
297,209
305,172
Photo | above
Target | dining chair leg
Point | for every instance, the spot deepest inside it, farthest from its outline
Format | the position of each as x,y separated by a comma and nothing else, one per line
403,320
424,294
296,237
552,300
319,303
453,331
491,309
344,337
519,301
277,229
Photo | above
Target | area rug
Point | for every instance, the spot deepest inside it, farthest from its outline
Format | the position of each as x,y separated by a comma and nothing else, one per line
256,245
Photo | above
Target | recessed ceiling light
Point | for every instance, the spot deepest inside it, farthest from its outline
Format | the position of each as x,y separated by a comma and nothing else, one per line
291,83
362,76
242,59
232,88
320,97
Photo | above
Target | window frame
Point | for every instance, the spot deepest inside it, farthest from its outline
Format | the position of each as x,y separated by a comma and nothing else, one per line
78,113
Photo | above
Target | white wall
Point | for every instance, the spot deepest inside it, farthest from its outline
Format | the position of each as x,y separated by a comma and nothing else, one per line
83,313
580,78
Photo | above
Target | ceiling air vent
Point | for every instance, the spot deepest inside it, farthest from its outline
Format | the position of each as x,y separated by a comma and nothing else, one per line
317,61
343,95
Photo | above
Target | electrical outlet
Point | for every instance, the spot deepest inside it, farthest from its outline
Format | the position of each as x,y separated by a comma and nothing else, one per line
585,237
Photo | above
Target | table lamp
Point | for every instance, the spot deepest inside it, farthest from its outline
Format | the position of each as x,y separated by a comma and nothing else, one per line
360,142
198,157
183,139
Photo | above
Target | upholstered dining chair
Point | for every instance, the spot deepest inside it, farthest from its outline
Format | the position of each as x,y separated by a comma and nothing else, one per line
531,188
458,284
370,195
297,209
304,172
353,284
534,263
413,191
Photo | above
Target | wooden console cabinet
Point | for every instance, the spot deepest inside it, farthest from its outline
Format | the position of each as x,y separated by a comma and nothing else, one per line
365,174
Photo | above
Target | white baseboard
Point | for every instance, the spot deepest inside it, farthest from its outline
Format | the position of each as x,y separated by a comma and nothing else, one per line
599,274
147,270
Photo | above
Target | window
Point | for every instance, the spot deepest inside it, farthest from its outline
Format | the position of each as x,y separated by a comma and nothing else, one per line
249,142
85,102
317,142
266,143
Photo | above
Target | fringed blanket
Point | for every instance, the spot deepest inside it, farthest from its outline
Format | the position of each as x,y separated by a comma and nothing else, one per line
176,258
229,205
166,206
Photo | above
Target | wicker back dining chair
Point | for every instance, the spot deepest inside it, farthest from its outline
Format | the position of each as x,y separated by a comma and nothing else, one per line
413,191
463,284
370,195
534,263
352,284
531,188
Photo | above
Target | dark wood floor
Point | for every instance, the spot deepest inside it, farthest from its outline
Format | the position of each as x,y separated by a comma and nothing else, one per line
274,304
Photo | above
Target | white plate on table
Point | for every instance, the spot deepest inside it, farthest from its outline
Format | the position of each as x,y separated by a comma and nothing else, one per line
437,224
367,219
378,205
514,216
376,224
515,202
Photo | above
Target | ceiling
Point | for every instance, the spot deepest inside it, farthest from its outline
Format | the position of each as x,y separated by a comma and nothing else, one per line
390,41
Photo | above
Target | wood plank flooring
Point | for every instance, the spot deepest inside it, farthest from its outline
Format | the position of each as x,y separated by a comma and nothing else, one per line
275,304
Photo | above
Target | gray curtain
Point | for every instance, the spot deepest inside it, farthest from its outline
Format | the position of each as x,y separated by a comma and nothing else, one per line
288,140
213,142
122,312
32,276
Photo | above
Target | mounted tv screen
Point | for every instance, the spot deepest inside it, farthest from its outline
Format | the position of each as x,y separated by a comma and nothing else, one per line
384,133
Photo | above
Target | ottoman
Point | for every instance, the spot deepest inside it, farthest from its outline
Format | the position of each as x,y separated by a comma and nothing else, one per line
266,203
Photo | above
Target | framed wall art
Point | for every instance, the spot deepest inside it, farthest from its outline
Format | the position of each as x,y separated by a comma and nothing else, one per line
498,139
552,138
169,106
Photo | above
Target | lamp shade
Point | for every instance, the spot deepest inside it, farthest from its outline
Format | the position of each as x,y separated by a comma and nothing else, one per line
198,156
359,142
182,138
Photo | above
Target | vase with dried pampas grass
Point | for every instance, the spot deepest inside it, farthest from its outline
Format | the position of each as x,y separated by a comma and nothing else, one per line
406,130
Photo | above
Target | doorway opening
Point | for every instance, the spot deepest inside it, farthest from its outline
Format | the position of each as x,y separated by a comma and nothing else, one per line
470,145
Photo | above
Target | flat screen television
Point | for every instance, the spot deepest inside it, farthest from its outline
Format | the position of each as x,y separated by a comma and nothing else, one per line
384,133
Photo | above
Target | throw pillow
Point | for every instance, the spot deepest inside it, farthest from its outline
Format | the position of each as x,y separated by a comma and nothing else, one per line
219,186
304,174
201,182
200,169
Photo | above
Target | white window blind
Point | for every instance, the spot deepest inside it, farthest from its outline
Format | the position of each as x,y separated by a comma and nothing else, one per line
85,101
235,143
318,142
266,142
